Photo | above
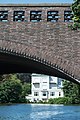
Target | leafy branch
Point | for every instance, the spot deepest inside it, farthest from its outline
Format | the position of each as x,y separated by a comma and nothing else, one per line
76,15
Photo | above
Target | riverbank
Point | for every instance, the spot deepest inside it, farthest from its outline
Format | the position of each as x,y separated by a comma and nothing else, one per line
39,104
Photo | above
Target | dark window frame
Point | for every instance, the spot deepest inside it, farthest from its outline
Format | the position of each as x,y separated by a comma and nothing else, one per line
68,16
35,15
44,93
52,93
52,16
36,84
36,93
59,93
4,16
18,16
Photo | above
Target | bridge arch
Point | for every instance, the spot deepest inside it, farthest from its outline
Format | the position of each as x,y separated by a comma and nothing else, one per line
17,57
48,43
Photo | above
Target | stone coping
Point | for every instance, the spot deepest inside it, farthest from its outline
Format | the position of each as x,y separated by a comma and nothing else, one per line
37,5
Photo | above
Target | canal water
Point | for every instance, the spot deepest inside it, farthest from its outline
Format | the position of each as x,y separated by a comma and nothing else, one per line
39,112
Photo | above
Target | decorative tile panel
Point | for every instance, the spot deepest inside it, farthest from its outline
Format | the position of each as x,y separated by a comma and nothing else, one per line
18,16
52,16
68,16
4,16
35,16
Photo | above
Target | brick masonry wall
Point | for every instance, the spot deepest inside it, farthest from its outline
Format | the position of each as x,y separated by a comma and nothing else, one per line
54,42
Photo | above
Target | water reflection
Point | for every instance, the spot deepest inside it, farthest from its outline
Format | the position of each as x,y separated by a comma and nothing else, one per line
44,115
44,111
39,112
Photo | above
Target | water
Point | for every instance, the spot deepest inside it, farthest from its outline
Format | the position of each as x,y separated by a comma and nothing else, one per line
39,112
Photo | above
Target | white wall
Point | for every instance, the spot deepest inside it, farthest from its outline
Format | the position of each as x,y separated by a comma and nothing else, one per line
44,83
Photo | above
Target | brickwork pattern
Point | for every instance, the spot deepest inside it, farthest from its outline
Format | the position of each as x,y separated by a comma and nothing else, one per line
53,42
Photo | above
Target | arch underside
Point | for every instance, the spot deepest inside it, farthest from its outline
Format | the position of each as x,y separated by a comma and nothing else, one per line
17,58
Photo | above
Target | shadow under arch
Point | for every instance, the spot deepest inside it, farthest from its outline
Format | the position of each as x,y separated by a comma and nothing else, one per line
12,61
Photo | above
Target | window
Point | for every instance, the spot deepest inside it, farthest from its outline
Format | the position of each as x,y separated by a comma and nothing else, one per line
36,85
35,16
52,93
52,16
52,85
44,93
18,16
59,93
4,16
44,82
36,94
68,16
59,83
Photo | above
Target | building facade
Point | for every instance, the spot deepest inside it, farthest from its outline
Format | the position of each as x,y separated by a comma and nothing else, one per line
45,87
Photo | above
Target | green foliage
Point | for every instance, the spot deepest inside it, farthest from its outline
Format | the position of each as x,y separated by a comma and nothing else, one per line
26,89
5,77
12,90
67,88
64,100
76,14
72,91
41,102
60,100
24,77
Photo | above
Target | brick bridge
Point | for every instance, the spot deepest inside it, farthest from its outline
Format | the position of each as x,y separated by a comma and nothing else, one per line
36,38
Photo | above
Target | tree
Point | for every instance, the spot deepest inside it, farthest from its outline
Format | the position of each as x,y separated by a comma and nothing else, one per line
5,77
76,14
10,90
67,88
26,89
24,77
72,91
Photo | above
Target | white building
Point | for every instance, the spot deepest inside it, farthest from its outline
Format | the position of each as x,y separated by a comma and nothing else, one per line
45,87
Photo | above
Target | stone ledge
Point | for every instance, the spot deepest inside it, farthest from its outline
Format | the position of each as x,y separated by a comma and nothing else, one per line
37,5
